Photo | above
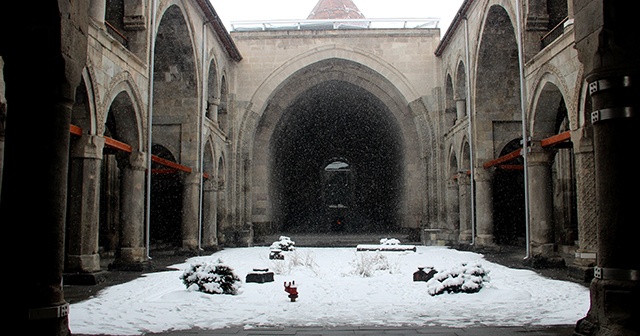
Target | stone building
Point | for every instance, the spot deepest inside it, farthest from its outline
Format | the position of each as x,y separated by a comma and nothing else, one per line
131,126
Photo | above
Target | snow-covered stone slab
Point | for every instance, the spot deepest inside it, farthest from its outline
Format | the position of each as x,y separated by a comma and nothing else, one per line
384,247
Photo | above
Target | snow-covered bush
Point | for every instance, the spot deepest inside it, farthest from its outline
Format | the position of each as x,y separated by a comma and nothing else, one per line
367,264
463,279
389,241
284,244
212,278
294,259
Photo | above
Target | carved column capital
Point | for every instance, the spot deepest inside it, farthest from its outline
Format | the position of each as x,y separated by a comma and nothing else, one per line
87,146
538,155
137,161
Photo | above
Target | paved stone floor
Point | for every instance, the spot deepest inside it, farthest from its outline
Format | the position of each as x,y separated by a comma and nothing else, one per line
508,256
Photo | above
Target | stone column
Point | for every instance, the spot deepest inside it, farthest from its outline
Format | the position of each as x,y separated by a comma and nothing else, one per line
484,207
606,33
540,200
134,15
464,183
131,254
84,210
212,109
461,109
453,209
191,211
42,68
585,257
209,220
97,10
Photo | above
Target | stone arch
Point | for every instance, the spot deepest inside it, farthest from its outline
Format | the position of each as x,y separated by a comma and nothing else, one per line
222,214
461,90
449,102
121,222
175,88
257,127
376,64
213,96
453,195
550,117
223,109
125,102
453,167
209,231
465,155
465,212
83,222
83,112
496,109
548,98
176,117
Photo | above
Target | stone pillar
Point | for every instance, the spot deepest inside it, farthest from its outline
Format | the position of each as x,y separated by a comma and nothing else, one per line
134,18
585,257
461,109
212,109
97,10
131,254
484,207
606,33
464,183
453,209
222,223
84,210
209,220
537,17
191,211
540,200
42,68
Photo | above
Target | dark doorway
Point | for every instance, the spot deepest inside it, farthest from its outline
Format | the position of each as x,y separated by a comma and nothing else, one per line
336,119
166,204
508,200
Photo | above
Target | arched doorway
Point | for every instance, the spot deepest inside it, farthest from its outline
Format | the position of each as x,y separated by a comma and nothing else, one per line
337,119
166,203
337,192
508,200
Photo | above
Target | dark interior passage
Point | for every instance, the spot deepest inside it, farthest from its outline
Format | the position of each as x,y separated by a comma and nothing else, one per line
166,203
508,202
336,119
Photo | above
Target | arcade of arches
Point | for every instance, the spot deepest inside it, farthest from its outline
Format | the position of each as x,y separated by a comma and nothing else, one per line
157,129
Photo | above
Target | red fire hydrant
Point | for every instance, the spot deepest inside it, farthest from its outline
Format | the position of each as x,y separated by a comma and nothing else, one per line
292,289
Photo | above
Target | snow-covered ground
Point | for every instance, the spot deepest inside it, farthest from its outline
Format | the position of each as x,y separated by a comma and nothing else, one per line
337,287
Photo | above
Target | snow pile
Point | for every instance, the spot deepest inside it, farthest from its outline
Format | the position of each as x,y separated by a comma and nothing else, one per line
284,244
462,279
211,278
368,264
386,244
389,241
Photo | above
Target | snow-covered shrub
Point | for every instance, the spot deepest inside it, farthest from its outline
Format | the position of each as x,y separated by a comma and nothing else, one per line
212,278
389,241
294,259
284,244
463,279
367,263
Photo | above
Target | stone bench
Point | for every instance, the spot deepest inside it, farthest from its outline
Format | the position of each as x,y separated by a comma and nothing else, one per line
372,247
260,275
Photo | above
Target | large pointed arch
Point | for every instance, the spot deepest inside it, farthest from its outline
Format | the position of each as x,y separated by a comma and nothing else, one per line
265,109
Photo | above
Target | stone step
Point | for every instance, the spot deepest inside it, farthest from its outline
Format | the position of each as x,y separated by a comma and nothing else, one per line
333,240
